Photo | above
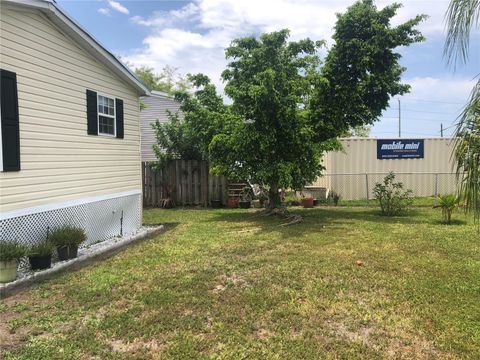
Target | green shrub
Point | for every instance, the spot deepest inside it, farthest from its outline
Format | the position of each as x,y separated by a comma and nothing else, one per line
11,250
448,203
67,235
391,195
43,248
292,198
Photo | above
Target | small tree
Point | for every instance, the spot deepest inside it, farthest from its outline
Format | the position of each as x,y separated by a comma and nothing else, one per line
462,17
287,109
295,108
448,203
189,131
168,81
392,197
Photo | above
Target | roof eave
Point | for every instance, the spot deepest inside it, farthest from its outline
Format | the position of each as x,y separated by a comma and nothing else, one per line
87,41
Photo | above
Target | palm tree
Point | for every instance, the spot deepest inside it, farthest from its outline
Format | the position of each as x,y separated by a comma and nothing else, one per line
462,16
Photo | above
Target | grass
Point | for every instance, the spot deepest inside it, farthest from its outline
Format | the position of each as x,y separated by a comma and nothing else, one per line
426,201
230,284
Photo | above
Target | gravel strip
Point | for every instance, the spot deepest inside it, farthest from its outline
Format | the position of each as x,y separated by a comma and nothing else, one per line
86,256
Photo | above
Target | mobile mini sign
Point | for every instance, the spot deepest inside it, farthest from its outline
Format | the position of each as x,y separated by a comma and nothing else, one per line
400,149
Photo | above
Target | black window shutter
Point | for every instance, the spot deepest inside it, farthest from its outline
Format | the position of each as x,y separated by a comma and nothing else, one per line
10,121
92,120
119,117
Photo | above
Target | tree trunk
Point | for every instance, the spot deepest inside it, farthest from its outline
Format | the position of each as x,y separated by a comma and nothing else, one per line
274,200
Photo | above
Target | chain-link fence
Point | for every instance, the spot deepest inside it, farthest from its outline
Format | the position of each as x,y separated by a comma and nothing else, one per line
360,186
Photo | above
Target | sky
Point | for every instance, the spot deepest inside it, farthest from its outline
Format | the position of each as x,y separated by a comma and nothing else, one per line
192,35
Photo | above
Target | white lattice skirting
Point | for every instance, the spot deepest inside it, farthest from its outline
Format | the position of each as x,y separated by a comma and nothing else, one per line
101,218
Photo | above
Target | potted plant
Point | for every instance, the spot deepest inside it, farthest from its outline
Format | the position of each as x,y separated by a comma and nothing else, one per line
307,200
40,255
67,239
10,253
245,198
232,202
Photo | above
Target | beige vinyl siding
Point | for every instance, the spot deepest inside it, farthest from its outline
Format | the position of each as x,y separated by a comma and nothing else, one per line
156,109
59,160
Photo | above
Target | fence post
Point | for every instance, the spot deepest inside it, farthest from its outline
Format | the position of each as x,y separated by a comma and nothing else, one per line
366,182
436,185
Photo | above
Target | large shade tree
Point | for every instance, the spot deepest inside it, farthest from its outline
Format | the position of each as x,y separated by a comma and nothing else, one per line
462,17
288,108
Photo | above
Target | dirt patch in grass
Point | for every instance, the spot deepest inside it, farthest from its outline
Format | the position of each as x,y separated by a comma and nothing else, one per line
231,281
151,346
263,334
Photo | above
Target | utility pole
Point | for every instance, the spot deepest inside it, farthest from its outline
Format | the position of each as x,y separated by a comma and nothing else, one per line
399,120
441,130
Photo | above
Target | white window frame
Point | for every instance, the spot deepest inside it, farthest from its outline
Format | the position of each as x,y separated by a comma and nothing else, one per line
114,116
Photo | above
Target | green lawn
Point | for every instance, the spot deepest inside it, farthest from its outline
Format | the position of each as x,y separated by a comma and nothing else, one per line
230,284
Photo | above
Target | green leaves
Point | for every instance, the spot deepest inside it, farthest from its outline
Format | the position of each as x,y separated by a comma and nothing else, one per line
67,235
448,203
392,197
287,109
462,16
361,70
11,250
467,153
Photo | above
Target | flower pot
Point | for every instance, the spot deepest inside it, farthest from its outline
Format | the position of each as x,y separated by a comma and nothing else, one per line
8,270
67,252
244,204
40,262
232,202
307,202
216,204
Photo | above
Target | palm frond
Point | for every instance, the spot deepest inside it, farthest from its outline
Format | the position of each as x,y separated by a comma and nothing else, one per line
467,153
461,17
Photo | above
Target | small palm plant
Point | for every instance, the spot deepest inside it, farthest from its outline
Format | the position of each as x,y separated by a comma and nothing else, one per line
448,203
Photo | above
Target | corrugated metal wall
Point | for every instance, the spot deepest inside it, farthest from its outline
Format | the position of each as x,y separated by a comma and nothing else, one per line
156,108
354,171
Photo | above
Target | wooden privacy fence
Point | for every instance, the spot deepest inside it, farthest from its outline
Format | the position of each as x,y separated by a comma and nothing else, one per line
185,182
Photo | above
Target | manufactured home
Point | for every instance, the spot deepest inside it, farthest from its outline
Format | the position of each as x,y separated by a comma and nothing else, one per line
70,128
156,108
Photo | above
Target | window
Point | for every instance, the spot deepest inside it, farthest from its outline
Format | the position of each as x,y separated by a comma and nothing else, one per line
106,116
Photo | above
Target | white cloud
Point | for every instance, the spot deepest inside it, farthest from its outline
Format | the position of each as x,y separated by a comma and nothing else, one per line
187,14
104,11
193,38
115,5
432,101
449,89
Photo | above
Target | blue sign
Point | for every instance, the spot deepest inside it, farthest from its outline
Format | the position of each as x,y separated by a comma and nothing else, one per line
400,149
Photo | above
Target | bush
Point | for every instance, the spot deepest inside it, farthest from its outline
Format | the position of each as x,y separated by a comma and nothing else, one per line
67,236
43,248
448,203
391,195
11,250
291,198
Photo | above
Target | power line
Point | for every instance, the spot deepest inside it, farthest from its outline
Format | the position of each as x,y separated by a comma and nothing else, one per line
423,111
433,101
414,118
